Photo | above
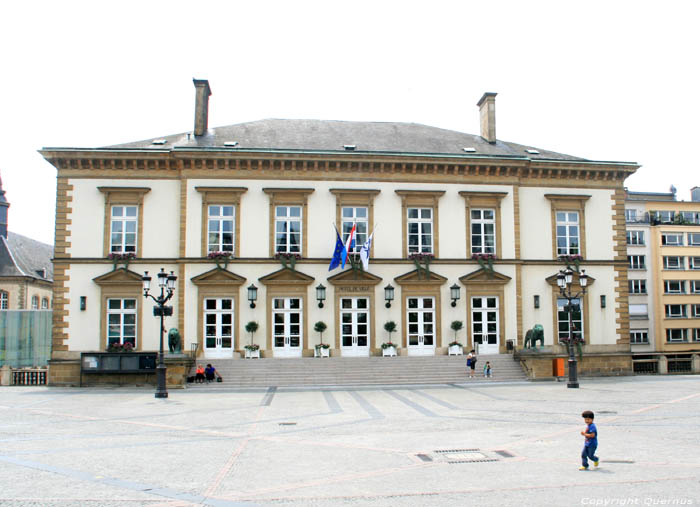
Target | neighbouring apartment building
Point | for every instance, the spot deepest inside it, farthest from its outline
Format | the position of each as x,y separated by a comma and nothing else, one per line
464,227
663,247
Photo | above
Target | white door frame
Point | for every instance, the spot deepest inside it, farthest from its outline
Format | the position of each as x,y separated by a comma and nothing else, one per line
287,327
219,320
489,317
351,342
420,337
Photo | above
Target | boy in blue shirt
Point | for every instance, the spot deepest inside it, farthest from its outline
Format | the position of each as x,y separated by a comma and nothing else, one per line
591,434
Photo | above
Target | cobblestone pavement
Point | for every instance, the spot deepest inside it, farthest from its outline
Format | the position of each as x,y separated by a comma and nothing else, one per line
485,444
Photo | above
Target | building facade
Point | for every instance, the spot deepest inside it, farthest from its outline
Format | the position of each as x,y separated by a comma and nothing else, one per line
663,237
464,228
26,268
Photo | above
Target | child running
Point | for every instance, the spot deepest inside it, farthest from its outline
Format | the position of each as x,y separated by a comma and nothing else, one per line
591,444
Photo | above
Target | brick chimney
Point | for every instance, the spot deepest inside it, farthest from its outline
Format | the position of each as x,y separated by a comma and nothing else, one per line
201,106
487,113
4,206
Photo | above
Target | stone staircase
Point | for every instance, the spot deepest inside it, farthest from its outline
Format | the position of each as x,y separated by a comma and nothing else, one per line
351,371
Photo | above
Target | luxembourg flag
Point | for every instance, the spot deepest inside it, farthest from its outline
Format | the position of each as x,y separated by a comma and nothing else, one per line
350,243
364,252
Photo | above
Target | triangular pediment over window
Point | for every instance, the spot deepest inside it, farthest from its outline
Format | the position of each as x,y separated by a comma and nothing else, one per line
351,277
483,276
420,277
121,276
218,276
286,276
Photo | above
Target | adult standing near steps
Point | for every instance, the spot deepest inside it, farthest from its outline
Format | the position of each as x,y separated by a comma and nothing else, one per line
471,362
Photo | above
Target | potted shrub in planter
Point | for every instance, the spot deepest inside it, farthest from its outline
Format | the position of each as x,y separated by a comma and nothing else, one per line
455,348
252,350
322,349
389,348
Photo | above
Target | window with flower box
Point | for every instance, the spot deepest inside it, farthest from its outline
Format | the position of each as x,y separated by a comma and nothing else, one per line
664,217
123,219
636,262
635,237
672,239
638,336
674,286
420,221
676,311
221,219
676,335
673,262
637,286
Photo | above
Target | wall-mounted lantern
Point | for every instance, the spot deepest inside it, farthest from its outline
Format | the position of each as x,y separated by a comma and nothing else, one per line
320,294
252,295
454,294
388,295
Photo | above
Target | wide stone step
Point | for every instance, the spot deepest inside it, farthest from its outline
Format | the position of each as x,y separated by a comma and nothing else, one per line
358,371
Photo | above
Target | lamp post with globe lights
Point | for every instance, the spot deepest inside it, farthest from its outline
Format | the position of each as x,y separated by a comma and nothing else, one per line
564,281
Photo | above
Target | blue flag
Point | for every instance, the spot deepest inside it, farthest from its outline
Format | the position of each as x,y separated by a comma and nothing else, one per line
339,254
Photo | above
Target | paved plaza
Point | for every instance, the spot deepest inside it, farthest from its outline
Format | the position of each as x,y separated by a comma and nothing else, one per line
455,445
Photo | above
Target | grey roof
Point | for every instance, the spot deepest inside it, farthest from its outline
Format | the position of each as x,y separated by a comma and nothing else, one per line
23,256
330,135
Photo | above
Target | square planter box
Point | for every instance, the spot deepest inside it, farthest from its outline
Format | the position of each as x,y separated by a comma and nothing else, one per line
389,352
322,352
252,354
454,350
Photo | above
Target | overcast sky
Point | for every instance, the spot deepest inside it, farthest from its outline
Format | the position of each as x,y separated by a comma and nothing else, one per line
612,80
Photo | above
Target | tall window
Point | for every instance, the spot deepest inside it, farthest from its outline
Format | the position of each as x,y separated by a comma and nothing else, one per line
639,336
121,321
4,300
673,262
638,286
676,335
35,302
636,262
221,229
483,222
218,323
420,230
674,286
568,241
288,229
123,230
675,311
44,303
635,237
563,319
355,216
672,239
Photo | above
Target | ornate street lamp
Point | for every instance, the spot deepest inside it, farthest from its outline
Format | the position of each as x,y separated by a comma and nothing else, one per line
320,294
454,294
166,282
564,280
388,295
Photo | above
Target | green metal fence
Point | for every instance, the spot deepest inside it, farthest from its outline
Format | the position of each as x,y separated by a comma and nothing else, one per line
25,337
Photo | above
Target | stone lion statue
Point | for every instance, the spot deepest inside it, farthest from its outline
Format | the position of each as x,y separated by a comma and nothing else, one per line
174,341
534,335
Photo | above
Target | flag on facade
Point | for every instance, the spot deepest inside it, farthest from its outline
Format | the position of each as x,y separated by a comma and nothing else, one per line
349,244
339,253
364,252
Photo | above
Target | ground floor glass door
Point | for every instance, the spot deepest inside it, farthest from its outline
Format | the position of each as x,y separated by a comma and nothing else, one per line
421,326
485,325
218,328
287,338
354,326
